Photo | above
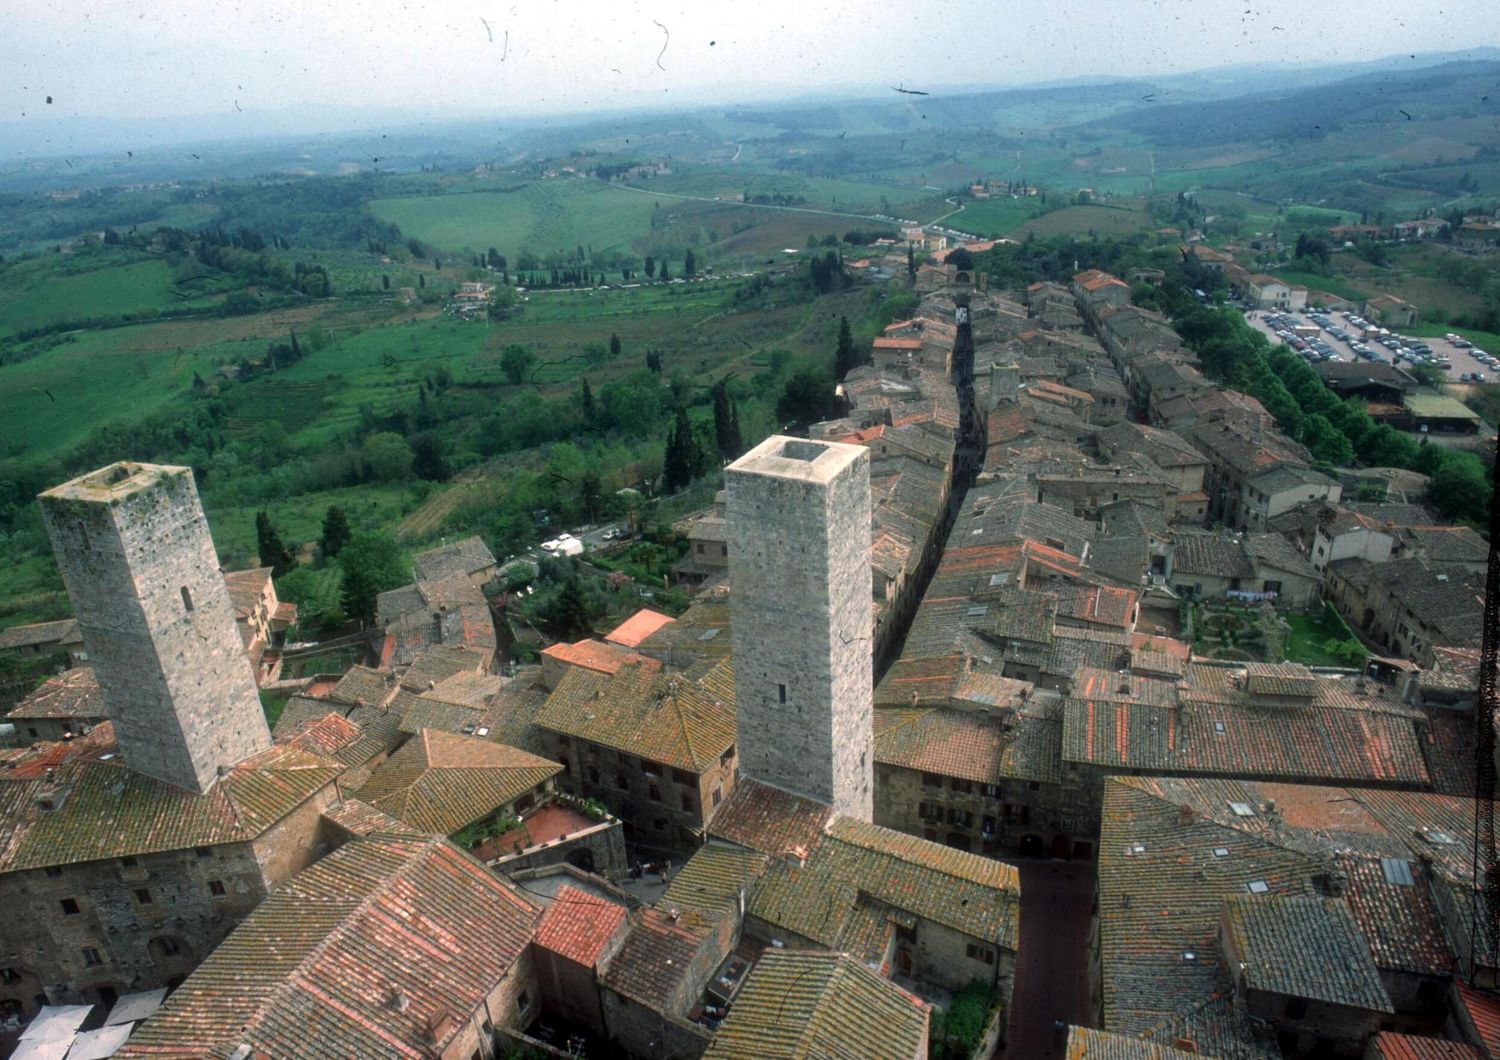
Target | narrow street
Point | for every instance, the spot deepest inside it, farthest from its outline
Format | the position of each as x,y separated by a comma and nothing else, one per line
1052,966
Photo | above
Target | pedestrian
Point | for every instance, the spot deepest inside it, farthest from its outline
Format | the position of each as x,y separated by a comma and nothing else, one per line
662,874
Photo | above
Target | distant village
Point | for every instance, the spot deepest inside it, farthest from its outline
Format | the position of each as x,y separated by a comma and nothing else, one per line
1027,601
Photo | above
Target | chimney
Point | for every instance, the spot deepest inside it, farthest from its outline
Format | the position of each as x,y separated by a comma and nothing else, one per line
1186,815
399,1001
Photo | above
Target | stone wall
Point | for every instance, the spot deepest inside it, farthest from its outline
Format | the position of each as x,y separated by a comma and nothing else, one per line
604,845
1035,818
799,524
135,554
148,923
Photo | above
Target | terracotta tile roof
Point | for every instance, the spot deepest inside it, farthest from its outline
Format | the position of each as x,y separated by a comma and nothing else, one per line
324,959
950,743
657,957
100,809
713,879
365,687
425,713
1172,850
578,925
1481,1009
438,663
637,628
466,557
1388,1045
325,736
668,718
1280,679
63,631
71,694
441,782
796,1005
1087,1044
975,896
595,655
246,588
357,817
768,819
1301,946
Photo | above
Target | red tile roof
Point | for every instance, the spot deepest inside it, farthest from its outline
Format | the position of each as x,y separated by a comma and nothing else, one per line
364,954
769,819
1388,1045
637,628
597,656
578,925
1483,1010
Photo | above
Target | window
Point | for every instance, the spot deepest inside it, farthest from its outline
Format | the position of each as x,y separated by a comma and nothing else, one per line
962,818
143,896
1035,785
53,871
91,957
981,953
523,1001
687,803
167,946
653,791
961,786
726,757
593,772
187,599
204,852
781,693
128,862
929,811
622,782
682,776
1296,1008
9,975
69,906
931,780
1069,798
216,888
992,791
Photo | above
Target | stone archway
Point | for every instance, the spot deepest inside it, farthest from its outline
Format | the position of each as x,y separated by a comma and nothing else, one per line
1032,846
581,859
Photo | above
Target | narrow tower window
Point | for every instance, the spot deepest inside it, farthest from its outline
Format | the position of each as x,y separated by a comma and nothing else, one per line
781,693
187,598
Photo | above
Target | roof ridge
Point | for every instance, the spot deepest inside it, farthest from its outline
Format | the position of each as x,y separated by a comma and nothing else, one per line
275,994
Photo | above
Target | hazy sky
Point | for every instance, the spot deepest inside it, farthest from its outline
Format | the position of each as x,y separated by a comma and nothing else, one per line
145,58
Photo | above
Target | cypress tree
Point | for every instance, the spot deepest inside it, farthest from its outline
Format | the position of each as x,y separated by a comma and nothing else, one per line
845,359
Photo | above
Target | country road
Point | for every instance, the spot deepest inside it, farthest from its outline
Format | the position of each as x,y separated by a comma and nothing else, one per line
752,205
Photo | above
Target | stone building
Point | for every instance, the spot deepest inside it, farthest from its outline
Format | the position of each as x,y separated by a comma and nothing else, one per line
799,514
132,850
263,619
64,706
395,945
135,554
117,881
657,749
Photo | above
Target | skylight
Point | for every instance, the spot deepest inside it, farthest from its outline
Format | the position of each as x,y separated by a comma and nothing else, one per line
1221,852
1397,871
1257,887
1242,809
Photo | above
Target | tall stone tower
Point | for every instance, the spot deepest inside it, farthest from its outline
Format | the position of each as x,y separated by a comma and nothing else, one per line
799,568
154,612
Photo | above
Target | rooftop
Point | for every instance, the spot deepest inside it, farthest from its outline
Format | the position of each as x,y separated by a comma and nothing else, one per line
441,782
670,718
799,1005
372,950
796,458
637,628
578,925
71,694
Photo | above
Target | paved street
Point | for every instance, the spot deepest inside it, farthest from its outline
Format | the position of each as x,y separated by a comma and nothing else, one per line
1052,967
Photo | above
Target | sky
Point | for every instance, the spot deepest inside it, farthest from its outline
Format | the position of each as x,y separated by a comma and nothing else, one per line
154,58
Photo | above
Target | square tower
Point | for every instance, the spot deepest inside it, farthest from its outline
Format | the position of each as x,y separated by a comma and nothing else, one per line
799,570
139,565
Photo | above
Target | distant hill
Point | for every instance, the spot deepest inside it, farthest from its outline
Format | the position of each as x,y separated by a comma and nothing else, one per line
1452,89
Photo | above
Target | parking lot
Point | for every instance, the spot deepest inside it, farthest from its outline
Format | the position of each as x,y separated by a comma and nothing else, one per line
1341,338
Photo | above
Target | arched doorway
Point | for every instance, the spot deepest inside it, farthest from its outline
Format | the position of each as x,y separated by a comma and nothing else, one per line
1083,851
582,859
1031,846
1061,848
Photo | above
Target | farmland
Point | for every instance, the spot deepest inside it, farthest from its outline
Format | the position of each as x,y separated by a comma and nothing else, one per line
1106,222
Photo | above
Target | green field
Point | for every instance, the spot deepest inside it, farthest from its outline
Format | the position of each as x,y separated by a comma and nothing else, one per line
37,294
993,217
1107,222
543,217
1316,282
1310,634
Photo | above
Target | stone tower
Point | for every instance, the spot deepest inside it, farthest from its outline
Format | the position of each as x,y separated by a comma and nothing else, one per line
154,612
799,567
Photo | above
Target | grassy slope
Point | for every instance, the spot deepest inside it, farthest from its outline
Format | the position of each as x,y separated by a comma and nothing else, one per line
544,216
